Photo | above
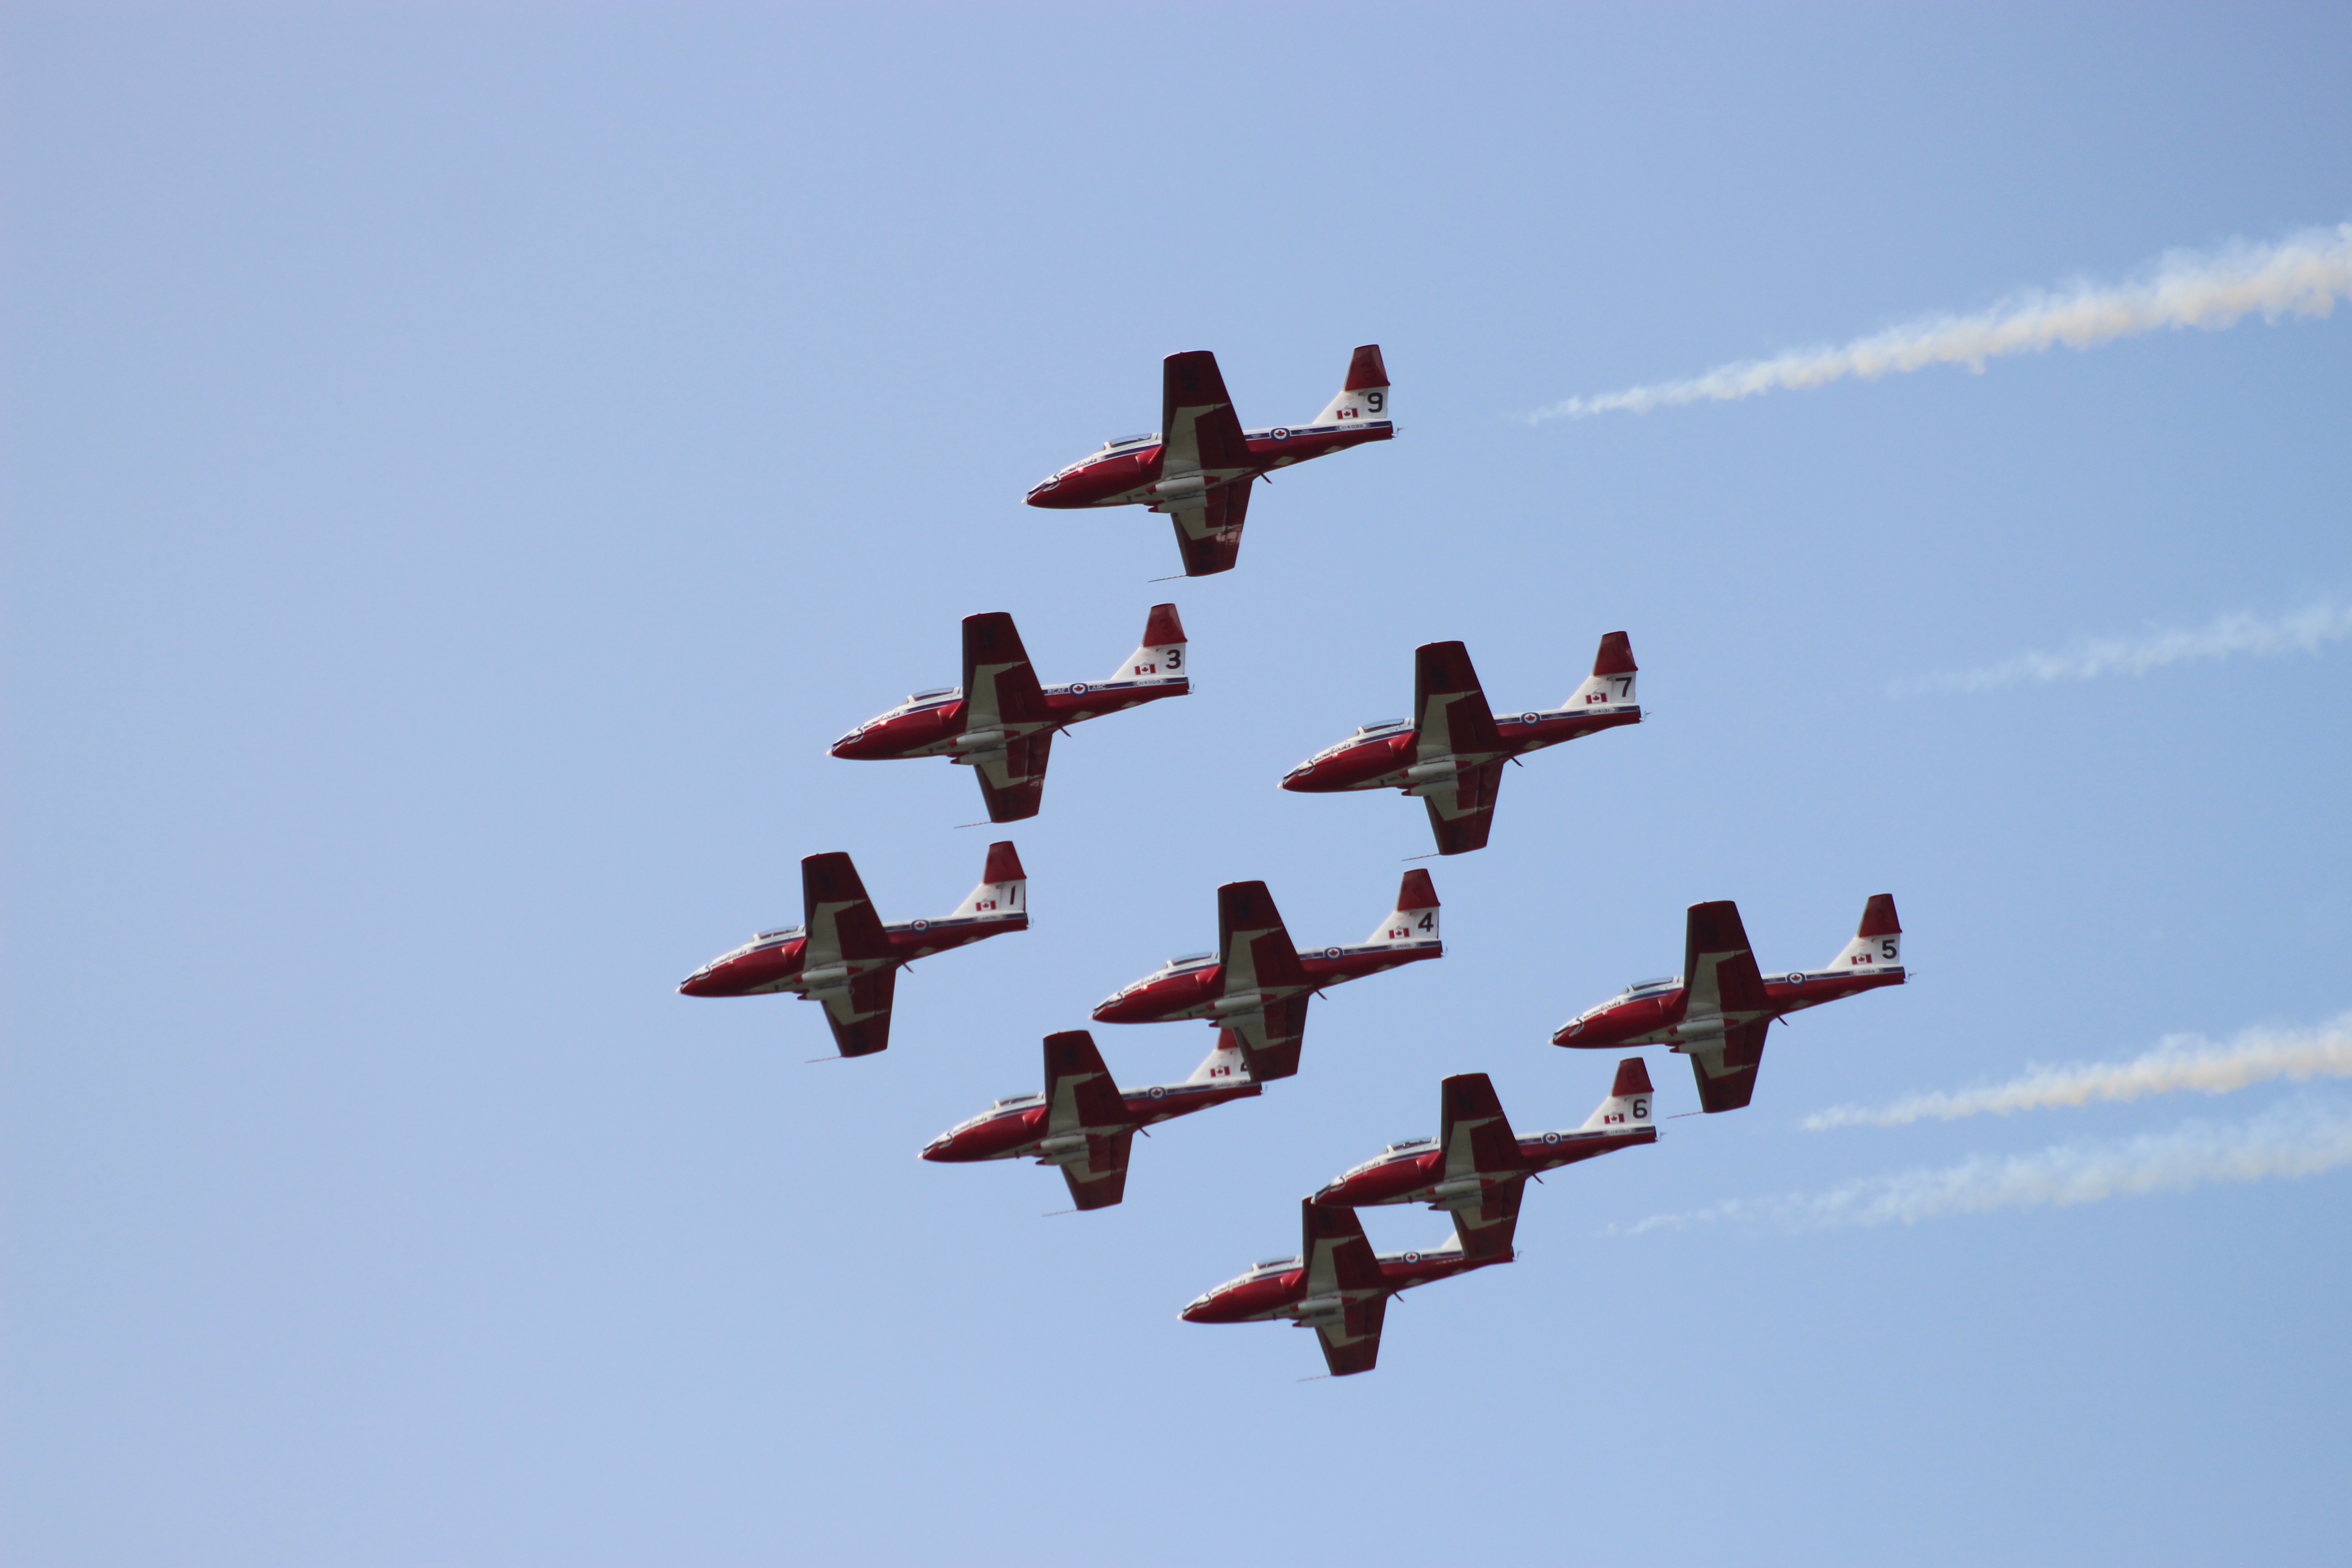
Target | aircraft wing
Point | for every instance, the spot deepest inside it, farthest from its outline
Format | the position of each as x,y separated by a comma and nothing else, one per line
1353,1344
1726,1071
1473,1133
1099,1180
1462,817
1719,966
1338,1256
840,923
1079,1089
1252,942
1487,1231
1013,780
1197,429
860,1012
999,687
1270,1038
1450,716
1208,536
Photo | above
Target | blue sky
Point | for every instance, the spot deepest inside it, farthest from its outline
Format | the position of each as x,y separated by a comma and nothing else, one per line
465,464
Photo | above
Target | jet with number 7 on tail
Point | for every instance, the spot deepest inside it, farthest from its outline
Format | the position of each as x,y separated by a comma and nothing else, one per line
1453,750
1085,1124
1201,465
845,957
1716,1010
1000,722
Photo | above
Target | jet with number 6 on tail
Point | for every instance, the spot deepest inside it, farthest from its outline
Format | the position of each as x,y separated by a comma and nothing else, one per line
1000,722
1201,465
1716,1010
1451,751
845,957
1478,1170
1086,1124
1257,985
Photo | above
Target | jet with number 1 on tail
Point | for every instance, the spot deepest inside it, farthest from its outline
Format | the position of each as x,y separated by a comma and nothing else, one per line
843,956
1200,466
1716,1010
1085,1124
1452,752
1000,722
1257,985
1337,1286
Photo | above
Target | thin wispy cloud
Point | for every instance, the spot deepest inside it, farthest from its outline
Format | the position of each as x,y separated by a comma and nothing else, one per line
2304,631
2294,1139
2303,275
2179,1062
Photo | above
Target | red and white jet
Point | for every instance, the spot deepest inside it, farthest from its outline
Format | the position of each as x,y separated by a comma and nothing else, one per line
1716,1010
1336,1286
1256,983
1083,1122
843,956
1199,467
1000,722
1451,751
1478,1169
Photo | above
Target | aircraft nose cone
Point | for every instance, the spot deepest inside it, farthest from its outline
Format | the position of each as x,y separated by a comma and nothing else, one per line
940,1147
702,983
1199,1311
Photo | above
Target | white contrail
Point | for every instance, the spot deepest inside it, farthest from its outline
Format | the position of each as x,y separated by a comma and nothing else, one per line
2304,631
2301,274
2257,1055
2289,1140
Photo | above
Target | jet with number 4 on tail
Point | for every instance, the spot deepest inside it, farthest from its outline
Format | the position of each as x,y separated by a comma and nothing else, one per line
1086,1124
1337,1286
1716,1010
1452,752
1000,722
843,956
1478,1170
1200,466
1257,985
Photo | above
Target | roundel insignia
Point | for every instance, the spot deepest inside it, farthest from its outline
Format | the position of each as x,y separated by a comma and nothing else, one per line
1077,688
1551,1137
1156,1090
1526,718
1795,978
1330,952
1413,1258
1281,433
922,925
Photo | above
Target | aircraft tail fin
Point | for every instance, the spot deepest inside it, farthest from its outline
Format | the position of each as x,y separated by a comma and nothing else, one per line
1161,656
1612,680
1414,919
1364,398
1628,1105
1227,1061
1003,889
1877,943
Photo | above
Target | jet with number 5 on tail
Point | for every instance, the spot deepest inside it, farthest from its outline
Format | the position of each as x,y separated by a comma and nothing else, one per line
1716,1010
1201,465
1453,750
1337,1286
1000,722
1257,985
843,956
1086,1124
1478,1170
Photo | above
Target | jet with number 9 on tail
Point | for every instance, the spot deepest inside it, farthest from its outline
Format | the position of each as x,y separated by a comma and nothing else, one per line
1453,750
1716,1010
1085,1124
843,956
1000,722
1201,465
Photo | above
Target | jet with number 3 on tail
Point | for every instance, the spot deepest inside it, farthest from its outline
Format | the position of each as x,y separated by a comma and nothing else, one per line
843,956
1716,1010
1086,1124
1452,752
1478,1170
1199,468
1337,1286
1000,722
1257,985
